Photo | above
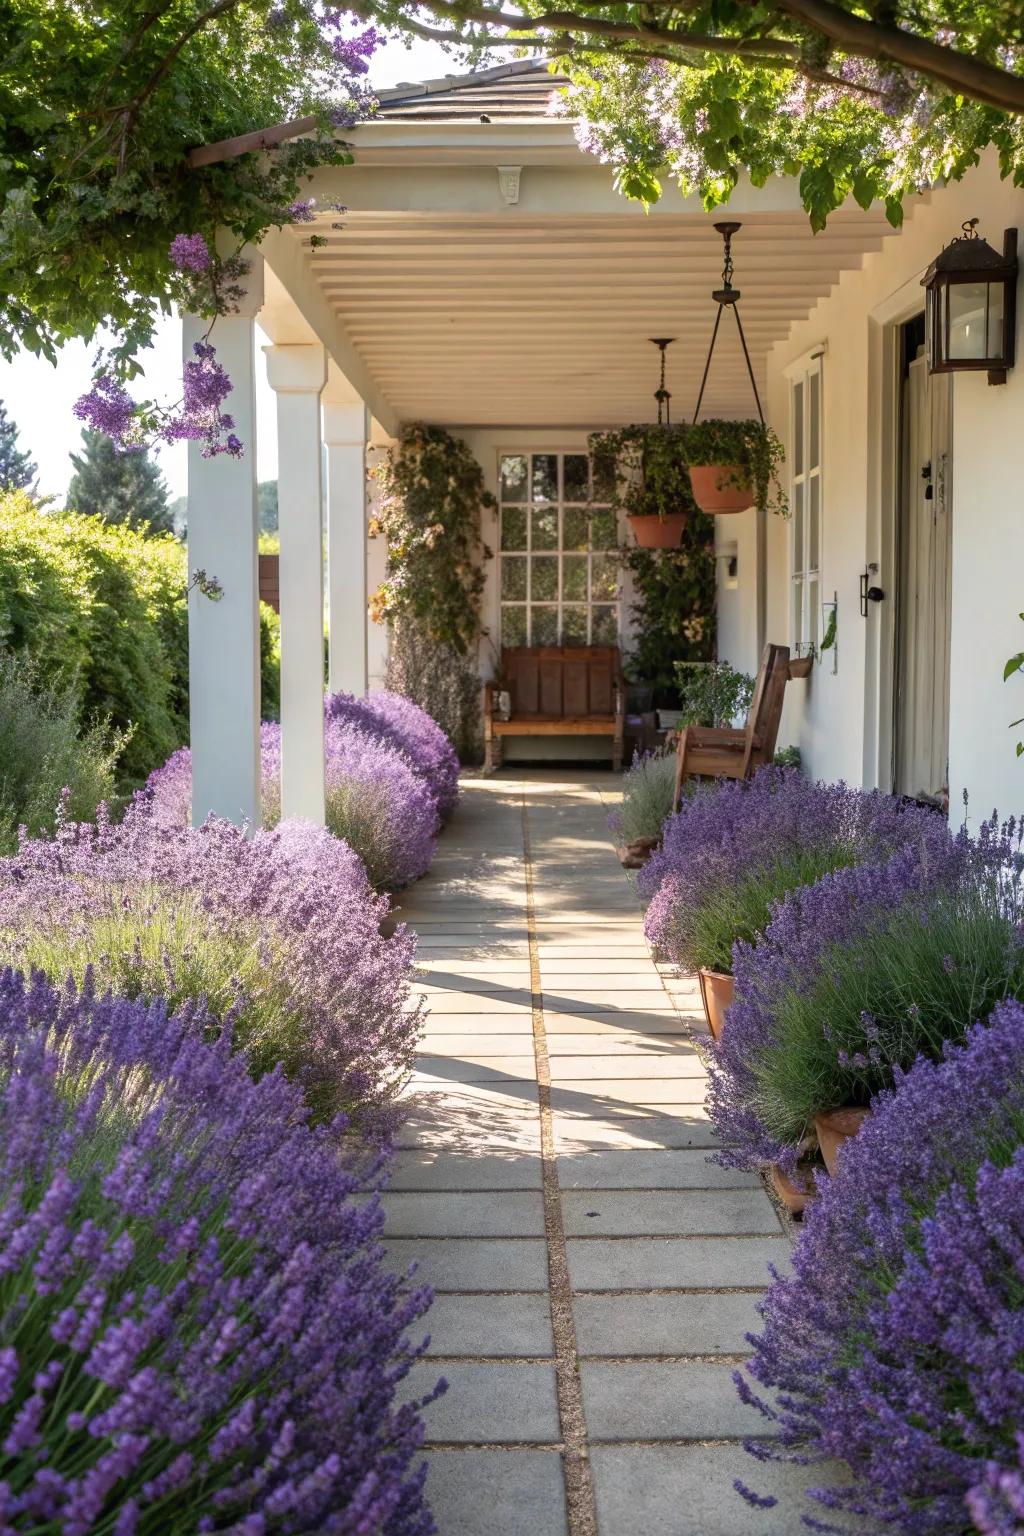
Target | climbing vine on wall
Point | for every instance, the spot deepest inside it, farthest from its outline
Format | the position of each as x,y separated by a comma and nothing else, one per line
431,491
673,608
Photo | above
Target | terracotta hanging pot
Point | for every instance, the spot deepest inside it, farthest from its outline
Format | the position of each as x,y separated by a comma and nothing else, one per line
716,990
653,532
715,488
634,855
834,1128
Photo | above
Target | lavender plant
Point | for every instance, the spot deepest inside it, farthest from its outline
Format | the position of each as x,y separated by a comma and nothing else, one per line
895,1345
279,932
734,849
196,1329
398,722
857,976
375,800
648,789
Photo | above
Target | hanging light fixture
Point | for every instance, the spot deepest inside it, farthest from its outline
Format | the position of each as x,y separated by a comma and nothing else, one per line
971,298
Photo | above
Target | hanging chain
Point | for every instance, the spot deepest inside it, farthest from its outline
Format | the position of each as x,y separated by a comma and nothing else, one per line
661,394
727,296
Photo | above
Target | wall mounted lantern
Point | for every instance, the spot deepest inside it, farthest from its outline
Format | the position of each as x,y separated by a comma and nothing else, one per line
971,318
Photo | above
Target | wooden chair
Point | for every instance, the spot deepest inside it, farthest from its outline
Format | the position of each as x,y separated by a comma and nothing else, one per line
557,691
733,754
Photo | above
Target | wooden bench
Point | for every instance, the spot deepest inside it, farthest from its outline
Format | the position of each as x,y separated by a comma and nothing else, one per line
727,754
556,691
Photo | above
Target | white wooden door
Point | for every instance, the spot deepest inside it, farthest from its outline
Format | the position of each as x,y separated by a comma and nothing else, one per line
923,593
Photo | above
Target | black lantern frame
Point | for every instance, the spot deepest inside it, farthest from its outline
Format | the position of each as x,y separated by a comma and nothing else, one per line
971,285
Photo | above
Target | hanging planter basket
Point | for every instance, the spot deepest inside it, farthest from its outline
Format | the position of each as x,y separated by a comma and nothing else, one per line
654,532
719,488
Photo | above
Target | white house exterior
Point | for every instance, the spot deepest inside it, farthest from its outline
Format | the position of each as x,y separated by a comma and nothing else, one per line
486,277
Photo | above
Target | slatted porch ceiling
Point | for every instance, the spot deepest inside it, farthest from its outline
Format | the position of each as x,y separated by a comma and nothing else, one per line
461,310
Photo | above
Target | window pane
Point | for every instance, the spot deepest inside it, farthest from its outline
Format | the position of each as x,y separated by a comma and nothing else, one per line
798,529
575,532
604,533
544,624
544,528
574,625
605,626
813,611
574,579
513,578
513,528
797,617
513,626
814,448
798,428
513,477
814,523
575,470
545,477
604,576
544,579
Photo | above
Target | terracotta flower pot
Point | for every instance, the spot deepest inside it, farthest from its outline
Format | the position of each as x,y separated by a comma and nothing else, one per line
834,1128
652,532
716,990
793,1196
715,488
634,855
800,666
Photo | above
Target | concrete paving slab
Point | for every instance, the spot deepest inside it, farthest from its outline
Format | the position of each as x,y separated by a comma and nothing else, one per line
668,1213
509,1326
688,1127
636,1021
665,1400
429,1213
663,1168
688,1323
688,1491
473,1264
524,1493
471,1067
674,1263
464,1046
434,1168
488,1403
626,1067
602,1096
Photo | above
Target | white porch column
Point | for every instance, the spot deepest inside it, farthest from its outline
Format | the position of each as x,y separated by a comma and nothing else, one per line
346,430
297,374
224,635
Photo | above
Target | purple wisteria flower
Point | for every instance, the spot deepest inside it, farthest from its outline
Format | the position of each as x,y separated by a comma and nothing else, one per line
190,253
375,800
397,721
107,407
779,829
858,974
280,932
197,1332
896,1344
354,53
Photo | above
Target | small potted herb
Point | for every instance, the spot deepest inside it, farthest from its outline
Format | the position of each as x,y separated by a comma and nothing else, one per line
644,470
734,465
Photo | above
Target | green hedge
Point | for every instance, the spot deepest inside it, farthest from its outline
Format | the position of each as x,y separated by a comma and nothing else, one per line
103,608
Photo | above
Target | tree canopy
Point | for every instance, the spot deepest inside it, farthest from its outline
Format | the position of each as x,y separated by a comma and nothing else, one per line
870,98
119,487
100,107
17,471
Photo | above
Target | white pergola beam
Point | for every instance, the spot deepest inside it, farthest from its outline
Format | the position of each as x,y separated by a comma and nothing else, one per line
346,433
224,634
297,375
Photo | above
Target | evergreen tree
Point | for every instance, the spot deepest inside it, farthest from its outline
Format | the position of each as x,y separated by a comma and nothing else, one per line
119,487
17,471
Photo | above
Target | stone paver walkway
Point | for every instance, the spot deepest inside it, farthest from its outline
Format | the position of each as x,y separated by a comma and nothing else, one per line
595,1275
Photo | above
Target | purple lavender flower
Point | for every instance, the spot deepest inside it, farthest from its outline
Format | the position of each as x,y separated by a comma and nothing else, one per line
398,722
240,1364
190,253
896,1343
850,980
280,933
737,847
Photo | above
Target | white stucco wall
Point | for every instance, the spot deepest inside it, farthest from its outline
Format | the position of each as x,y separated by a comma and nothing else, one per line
841,721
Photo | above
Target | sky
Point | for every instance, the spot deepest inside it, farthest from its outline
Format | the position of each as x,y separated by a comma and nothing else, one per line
40,398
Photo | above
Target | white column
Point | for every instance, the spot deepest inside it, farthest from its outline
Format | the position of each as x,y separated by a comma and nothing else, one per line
224,635
346,429
297,374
